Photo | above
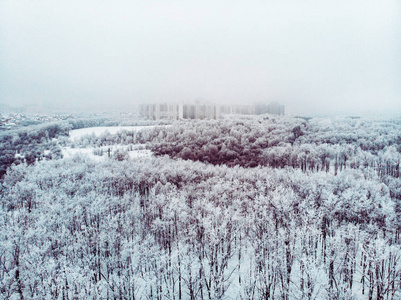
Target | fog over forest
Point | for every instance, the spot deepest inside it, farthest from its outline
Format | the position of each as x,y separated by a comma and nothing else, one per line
312,56
243,207
196,200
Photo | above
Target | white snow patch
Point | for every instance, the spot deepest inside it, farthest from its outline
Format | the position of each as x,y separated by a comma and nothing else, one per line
97,131
18,155
134,152
140,154
70,152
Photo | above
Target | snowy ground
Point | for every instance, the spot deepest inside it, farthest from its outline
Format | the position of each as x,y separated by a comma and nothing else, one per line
101,153
77,133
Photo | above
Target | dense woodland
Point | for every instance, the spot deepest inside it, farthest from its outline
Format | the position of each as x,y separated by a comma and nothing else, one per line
37,142
239,208
30,144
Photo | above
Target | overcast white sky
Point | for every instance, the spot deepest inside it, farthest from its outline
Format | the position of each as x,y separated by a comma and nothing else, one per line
312,55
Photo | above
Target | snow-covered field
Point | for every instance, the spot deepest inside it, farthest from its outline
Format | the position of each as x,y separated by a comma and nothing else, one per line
97,131
101,153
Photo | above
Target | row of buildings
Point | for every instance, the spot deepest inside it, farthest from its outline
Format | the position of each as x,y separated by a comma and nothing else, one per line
166,111
7,109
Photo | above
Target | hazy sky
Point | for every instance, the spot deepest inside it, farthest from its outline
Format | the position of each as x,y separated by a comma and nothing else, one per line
311,55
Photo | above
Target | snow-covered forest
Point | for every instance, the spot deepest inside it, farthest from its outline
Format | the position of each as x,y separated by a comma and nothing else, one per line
246,207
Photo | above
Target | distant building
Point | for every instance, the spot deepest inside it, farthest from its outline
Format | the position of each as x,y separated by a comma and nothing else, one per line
166,111
180,111
201,111
238,109
275,109
4,108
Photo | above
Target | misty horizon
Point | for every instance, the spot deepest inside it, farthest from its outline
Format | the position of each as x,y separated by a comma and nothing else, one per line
312,57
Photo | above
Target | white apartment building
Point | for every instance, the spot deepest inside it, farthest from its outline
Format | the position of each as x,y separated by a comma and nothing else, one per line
169,111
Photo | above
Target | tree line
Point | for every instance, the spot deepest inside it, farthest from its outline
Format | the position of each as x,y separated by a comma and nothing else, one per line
286,142
173,227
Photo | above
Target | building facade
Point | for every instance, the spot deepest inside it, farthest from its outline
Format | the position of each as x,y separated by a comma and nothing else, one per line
201,111
168,111
165,111
275,109
238,109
